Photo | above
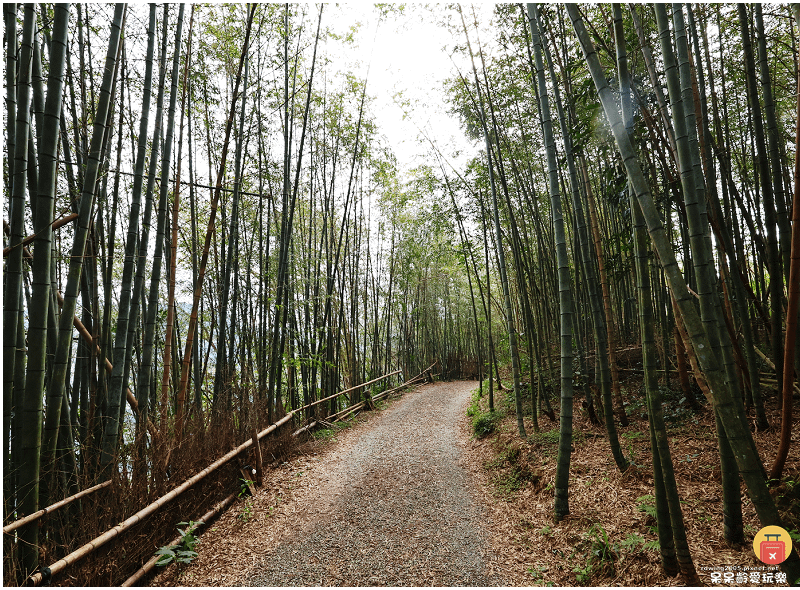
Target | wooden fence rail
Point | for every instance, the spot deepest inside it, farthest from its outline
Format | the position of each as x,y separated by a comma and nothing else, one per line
46,573
203,521
61,503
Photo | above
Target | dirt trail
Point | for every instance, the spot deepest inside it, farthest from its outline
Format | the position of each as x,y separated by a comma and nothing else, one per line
389,504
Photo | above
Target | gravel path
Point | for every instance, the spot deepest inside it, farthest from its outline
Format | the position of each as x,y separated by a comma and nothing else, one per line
396,509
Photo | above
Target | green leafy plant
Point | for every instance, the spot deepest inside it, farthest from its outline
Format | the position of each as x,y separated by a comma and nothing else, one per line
600,557
637,543
484,424
647,504
537,573
244,487
184,552
246,513
632,541
582,574
631,453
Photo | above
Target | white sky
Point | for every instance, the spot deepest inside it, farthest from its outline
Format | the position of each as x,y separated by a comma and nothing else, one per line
410,55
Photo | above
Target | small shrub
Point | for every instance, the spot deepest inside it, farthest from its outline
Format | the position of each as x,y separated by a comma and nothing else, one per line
600,557
184,552
244,487
246,512
484,424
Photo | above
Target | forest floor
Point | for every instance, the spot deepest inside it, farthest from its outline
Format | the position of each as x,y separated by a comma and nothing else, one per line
610,536
408,495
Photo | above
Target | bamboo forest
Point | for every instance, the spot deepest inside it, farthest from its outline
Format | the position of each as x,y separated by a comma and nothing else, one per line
522,311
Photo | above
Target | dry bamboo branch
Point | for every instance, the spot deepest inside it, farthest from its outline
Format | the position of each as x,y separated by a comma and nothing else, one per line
79,554
56,224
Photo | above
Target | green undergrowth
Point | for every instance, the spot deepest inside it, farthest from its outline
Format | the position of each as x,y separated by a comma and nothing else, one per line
600,556
484,422
596,555
546,441
512,470
326,434
512,480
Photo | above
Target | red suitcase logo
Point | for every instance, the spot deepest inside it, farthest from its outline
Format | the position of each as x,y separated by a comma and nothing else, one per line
772,552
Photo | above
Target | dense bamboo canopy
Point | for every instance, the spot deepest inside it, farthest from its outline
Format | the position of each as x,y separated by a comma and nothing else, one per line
206,228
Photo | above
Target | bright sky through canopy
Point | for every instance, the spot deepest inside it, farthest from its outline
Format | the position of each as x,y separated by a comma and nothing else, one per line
409,60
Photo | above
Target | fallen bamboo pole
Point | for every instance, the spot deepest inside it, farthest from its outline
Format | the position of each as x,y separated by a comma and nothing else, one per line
132,401
48,572
204,520
767,381
37,515
304,428
324,399
771,365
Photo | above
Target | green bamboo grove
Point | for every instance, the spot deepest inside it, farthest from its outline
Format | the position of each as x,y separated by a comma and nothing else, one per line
205,229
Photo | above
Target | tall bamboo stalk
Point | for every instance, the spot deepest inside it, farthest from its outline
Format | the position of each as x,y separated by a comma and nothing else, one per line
749,463
167,357
561,504
198,287
30,422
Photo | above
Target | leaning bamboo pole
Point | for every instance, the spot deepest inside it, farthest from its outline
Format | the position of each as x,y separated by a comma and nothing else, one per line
60,504
46,573
55,225
791,314
134,404
204,520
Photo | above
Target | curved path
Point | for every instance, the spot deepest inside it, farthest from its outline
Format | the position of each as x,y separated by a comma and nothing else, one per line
393,507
